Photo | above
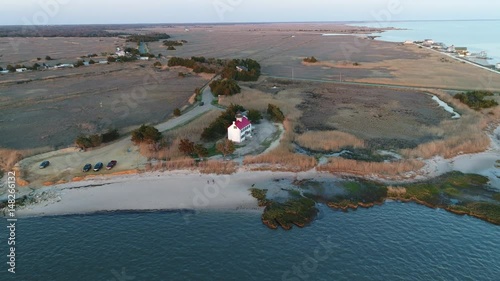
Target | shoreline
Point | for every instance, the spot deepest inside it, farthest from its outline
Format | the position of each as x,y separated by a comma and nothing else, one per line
179,190
192,190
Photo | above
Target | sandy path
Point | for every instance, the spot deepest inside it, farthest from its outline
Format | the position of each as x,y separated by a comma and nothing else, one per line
66,164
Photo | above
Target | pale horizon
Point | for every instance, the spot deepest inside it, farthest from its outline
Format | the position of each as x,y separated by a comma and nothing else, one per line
79,12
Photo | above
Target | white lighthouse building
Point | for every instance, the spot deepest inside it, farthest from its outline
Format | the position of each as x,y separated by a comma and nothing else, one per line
240,130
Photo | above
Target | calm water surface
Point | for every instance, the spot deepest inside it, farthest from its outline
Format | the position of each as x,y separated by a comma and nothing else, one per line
395,241
476,35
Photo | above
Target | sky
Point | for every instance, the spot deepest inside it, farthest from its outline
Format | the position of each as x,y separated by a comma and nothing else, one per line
52,12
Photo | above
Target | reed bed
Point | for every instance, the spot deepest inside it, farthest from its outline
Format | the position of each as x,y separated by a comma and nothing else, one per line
328,140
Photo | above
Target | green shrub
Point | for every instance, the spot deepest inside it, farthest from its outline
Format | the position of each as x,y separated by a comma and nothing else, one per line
218,128
177,112
224,87
145,133
310,59
275,113
476,99
252,73
254,116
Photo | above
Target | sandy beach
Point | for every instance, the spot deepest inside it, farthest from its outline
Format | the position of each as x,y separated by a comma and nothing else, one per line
191,190
180,190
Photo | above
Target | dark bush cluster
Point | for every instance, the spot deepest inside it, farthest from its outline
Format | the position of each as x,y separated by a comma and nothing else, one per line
310,60
476,99
146,134
218,128
96,139
172,43
275,113
242,70
153,37
194,63
224,87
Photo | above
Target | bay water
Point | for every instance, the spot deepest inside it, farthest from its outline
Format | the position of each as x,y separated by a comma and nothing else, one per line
395,241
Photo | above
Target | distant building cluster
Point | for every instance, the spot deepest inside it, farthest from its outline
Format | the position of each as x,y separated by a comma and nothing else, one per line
480,58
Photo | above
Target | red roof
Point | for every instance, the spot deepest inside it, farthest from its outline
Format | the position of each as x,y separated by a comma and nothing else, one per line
243,123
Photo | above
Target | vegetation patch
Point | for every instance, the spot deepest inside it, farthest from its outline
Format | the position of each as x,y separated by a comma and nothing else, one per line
218,128
172,43
95,140
310,60
275,113
146,134
476,99
153,37
195,63
458,193
297,211
242,70
224,87
358,193
328,141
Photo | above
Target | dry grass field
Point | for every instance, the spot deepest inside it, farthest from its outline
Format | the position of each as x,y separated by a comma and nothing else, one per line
62,50
329,117
280,49
384,117
52,107
328,140
48,109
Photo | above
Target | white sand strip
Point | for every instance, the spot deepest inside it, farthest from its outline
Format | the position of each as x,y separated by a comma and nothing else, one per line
154,191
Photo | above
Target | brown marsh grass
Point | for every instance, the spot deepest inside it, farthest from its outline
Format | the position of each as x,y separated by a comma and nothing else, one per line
461,136
395,191
283,158
218,167
353,167
193,129
179,164
328,140
254,99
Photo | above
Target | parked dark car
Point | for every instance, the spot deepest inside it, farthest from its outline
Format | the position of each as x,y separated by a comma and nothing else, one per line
111,164
87,167
202,103
98,166
44,164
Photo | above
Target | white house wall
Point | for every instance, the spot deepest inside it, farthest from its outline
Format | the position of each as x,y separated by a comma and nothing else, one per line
234,134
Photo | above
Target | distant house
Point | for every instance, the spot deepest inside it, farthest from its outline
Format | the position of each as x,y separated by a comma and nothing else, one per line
65,65
240,130
462,51
451,49
119,52
497,66
22,69
241,68
408,42
103,62
4,72
144,58
428,42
